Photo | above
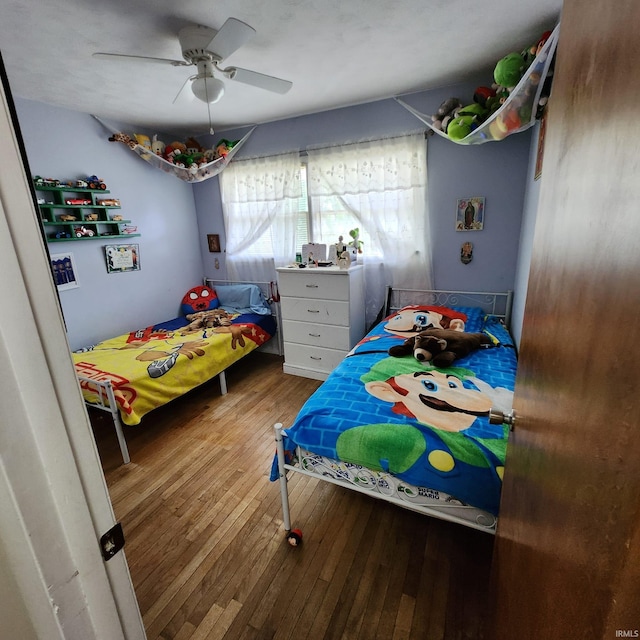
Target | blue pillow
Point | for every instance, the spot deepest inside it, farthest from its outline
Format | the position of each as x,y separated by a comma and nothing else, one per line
242,298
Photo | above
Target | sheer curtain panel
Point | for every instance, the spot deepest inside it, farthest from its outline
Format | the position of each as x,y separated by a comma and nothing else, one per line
260,208
380,187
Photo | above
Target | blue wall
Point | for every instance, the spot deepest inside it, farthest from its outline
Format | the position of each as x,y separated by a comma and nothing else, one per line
530,210
496,171
174,217
66,145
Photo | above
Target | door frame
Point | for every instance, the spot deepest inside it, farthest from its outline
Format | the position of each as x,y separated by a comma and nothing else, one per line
51,478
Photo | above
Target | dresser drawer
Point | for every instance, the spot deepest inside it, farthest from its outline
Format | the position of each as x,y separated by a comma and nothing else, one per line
315,358
320,311
314,284
319,335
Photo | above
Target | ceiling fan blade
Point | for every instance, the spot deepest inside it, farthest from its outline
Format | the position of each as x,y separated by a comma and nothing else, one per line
120,56
255,79
232,35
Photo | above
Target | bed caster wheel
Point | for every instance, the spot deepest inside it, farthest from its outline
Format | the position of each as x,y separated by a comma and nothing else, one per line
294,537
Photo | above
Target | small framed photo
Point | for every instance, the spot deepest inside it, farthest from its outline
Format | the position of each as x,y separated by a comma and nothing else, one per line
540,152
470,214
213,240
122,257
65,274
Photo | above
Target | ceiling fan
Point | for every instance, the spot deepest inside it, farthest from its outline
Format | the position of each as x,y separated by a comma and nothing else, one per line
206,48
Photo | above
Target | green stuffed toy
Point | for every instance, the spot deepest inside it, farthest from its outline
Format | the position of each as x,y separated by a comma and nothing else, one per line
460,127
509,70
468,119
476,110
356,243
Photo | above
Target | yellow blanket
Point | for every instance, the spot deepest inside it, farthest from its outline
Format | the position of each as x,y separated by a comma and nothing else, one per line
150,367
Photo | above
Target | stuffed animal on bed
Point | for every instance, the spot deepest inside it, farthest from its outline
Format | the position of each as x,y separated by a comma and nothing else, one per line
207,320
441,347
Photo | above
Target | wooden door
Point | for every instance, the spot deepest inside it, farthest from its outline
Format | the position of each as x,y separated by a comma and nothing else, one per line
567,554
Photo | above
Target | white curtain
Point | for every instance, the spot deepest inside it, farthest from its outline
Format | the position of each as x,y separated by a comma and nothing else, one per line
260,206
379,187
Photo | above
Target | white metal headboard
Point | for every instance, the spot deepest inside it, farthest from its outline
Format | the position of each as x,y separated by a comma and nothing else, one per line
497,304
270,292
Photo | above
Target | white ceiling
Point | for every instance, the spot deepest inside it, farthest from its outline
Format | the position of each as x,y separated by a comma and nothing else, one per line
336,52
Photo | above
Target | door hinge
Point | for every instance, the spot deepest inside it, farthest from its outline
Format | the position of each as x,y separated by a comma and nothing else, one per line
112,541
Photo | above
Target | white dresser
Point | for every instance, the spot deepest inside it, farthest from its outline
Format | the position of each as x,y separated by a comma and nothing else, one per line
322,317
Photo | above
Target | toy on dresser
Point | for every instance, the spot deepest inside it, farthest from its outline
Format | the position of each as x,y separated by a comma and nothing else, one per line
336,250
344,261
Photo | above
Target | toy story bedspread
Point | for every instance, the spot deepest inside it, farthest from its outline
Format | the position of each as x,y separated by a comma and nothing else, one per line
152,366
428,426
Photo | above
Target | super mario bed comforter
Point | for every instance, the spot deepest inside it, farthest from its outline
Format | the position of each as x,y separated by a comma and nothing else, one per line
152,366
428,426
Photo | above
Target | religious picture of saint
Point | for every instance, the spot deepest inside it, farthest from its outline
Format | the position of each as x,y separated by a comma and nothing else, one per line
470,214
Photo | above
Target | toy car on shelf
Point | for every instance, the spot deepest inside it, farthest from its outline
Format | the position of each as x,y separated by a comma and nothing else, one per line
92,217
67,217
129,229
83,232
81,184
109,202
81,201
95,183
116,218
39,181
60,234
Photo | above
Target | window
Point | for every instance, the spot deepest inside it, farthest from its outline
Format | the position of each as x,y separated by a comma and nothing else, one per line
263,246
273,205
336,221
302,228
260,200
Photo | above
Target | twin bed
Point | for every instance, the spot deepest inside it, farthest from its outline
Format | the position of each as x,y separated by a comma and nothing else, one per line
405,431
134,373
393,427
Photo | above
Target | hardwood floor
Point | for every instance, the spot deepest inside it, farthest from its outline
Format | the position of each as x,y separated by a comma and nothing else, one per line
206,547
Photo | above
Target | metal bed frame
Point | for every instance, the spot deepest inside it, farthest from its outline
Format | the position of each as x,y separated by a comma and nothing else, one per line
270,292
496,304
103,388
383,485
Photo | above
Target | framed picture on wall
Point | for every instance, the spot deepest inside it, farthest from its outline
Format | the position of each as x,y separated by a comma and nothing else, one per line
122,257
213,240
470,214
540,152
65,274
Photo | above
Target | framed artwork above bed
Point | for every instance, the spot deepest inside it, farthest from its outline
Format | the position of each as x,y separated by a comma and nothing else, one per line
122,257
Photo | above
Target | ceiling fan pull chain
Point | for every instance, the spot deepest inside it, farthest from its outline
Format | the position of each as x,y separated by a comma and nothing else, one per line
210,125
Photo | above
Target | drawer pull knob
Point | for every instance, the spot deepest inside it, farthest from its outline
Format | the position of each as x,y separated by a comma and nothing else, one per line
313,310
315,358
311,286
314,335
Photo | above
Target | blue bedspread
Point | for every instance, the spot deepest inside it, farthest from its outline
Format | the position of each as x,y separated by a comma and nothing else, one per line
428,426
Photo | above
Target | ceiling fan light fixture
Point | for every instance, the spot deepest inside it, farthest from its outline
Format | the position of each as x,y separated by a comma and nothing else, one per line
208,89
205,86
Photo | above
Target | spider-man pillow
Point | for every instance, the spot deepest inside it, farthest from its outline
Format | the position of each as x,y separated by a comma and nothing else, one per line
199,298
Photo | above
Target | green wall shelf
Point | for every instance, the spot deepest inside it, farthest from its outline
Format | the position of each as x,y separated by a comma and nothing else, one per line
93,220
